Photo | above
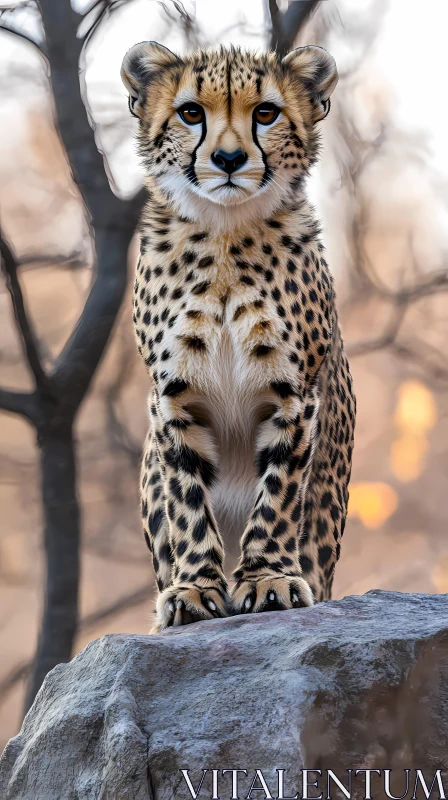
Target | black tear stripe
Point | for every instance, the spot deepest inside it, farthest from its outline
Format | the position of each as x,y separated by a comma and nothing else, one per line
267,175
190,171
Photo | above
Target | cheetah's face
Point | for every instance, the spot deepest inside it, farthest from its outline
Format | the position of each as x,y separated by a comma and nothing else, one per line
227,125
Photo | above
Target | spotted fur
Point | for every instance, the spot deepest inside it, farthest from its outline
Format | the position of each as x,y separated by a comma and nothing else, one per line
251,407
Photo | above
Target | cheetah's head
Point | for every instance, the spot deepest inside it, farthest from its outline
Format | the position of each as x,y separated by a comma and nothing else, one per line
227,128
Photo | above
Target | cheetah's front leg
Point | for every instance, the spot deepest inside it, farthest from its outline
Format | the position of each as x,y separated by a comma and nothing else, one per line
186,453
269,575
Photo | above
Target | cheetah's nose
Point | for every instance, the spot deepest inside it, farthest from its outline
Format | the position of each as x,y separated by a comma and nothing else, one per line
229,162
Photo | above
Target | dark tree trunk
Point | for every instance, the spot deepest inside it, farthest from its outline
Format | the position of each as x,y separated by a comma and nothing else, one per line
62,545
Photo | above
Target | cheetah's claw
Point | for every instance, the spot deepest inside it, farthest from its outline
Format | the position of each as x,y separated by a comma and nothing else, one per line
182,605
271,593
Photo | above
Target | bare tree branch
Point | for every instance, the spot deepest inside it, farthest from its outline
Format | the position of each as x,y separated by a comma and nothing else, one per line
430,359
401,301
59,396
29,340
188,24
382,341
416,283
131,600
21,403
135,598
286,26
31,260
434,284
89,168
112,219
81,355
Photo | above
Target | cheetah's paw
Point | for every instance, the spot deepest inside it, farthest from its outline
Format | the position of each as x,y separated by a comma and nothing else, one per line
271,593
186,603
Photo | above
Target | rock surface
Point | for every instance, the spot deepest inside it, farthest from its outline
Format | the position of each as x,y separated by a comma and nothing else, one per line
356,683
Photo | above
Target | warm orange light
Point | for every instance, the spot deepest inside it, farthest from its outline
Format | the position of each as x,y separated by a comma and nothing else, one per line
415,415
372,503
407,456
416,408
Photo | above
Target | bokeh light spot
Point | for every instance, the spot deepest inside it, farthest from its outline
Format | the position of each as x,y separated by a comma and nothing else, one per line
372,503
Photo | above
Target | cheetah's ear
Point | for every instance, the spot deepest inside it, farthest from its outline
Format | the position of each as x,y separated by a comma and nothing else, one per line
318,73
140,64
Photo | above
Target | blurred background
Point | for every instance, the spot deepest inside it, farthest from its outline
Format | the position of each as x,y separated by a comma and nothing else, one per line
72,390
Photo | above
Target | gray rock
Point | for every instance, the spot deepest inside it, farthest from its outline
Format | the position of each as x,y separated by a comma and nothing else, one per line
357,683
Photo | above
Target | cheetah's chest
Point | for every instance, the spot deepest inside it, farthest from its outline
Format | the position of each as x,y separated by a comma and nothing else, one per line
234,402
234,392
227,346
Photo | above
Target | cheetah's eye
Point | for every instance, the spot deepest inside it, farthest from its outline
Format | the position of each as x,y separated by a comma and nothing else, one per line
191,113
266,113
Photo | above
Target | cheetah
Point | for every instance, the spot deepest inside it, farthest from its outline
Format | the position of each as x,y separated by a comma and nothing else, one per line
251,404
